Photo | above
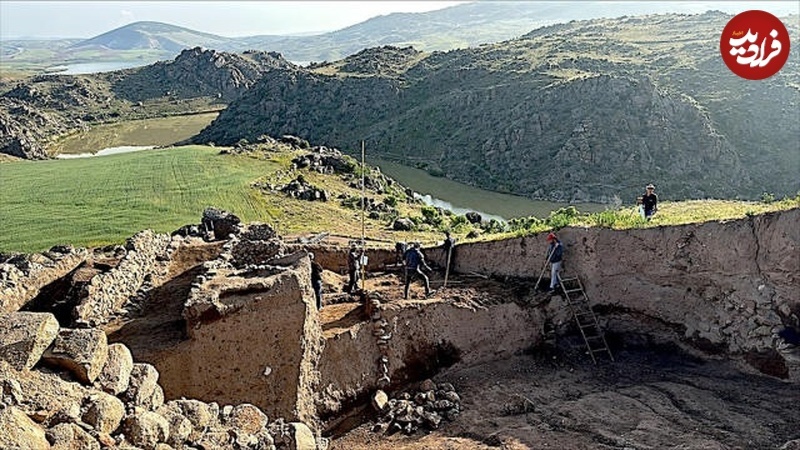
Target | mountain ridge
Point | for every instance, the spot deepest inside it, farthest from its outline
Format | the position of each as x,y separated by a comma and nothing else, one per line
591,112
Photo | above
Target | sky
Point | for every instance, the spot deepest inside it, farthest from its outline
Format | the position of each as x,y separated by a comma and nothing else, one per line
231,19
85,19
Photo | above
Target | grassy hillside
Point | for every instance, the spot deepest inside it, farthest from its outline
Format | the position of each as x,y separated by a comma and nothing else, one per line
101,200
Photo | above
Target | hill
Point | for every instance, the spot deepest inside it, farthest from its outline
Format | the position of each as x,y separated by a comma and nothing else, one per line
153,36
40,109
458,26
585,111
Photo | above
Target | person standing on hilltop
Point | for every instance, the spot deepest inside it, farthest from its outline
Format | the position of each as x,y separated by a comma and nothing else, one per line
650,202
555,255
415,262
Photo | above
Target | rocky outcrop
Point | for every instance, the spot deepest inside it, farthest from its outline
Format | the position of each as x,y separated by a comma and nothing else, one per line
42,108
559,123
23,276
108,291
43,409
222,224
199,72
301,189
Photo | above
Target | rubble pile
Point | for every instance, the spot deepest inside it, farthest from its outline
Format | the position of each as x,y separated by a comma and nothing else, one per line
325,160
221,223
68,388
426,407
301,189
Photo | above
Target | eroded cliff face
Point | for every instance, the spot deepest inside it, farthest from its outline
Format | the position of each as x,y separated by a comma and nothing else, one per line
727,286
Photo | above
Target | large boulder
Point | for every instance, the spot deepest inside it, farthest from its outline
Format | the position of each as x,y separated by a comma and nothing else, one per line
180,428
24,336
247,418
20,432
116,373
81,351
42,396
200,414
103,411
403,224
145,429
143,387
68,436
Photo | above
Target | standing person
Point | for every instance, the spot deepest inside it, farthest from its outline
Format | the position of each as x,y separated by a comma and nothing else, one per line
650,202
400,248
415,262
316,280
556,255
447,247
353,266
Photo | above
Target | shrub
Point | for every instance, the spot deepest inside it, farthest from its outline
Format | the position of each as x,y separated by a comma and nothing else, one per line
767,198
616,219
431,216
562,217
390,201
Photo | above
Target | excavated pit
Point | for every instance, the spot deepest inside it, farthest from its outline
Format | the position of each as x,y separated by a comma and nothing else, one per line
702,320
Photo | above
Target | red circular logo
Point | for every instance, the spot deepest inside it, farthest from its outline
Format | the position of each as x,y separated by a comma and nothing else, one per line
754,45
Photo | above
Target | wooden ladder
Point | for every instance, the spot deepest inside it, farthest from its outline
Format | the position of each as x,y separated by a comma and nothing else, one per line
585,318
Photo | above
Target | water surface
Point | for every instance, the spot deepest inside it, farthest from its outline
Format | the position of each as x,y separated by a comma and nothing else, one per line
459,197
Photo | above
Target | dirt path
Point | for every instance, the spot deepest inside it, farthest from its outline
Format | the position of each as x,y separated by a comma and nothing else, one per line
648,399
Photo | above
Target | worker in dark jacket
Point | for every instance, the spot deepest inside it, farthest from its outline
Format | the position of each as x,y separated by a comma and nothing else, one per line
415,262
353,266
555,252
316,280
447,250
650,202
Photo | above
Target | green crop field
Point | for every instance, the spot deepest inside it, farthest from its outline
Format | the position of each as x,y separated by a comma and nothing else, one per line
94,201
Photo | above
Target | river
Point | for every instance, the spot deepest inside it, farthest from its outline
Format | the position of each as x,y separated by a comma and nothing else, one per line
460,198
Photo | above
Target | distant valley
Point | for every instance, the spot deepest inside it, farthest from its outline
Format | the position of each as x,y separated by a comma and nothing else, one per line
584,111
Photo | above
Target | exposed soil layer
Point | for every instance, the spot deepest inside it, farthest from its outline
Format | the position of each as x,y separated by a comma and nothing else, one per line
650,398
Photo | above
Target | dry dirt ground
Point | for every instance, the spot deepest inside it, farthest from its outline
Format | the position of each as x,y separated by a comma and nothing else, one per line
650,398
554,397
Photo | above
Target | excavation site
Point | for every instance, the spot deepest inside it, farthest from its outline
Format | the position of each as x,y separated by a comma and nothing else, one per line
673,337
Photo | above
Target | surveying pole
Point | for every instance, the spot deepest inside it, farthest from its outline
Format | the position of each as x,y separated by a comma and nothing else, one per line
362,258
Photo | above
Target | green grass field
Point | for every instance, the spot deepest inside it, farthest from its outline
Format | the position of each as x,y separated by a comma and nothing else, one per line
95,201
102,200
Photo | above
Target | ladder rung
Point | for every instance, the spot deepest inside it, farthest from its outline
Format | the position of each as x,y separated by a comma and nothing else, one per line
566,280
604,349
569,291
587,325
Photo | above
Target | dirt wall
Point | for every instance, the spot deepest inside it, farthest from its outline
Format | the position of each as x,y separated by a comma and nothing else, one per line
260,348
334,258
425,337
732,284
